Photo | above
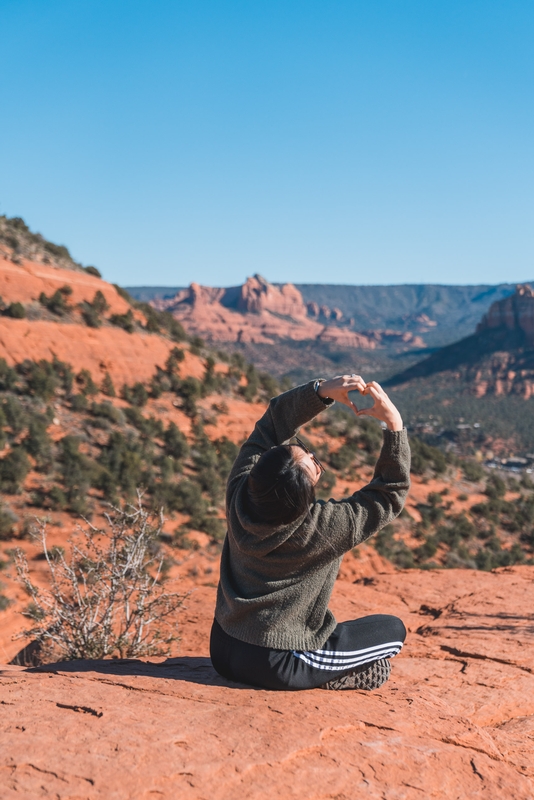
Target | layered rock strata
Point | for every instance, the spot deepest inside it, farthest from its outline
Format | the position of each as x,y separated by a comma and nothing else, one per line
262,313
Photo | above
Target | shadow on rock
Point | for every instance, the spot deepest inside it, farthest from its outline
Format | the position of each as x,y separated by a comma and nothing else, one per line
192,669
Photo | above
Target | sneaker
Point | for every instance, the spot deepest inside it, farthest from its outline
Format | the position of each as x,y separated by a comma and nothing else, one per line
369,676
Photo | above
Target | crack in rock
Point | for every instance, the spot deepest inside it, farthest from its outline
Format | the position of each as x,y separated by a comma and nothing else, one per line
481,657
475,770
81,709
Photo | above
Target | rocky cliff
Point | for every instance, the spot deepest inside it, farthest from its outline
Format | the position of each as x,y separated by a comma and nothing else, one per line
262,313
513,313
498,359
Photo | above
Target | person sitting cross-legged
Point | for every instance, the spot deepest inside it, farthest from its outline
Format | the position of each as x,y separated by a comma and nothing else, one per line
283,549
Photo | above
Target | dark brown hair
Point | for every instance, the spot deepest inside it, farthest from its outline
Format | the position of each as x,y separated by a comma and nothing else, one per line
279,488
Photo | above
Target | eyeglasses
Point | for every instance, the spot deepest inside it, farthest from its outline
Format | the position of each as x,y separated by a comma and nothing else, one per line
310,453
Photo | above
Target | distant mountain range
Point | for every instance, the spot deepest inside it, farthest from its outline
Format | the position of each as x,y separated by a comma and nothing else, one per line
438,314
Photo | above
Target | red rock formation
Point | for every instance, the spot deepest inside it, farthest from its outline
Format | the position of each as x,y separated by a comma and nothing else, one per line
25,281
255,312
262,313
346,338
127,357
514,312
258,295
315,310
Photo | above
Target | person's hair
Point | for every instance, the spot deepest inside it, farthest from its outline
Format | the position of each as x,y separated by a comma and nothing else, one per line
279,488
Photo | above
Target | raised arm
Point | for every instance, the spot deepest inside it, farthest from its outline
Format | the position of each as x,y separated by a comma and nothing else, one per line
348,522
282,420
343,524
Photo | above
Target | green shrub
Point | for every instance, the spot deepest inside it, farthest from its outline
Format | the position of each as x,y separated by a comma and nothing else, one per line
13,470
14,413
495,487
196,345
210,380
175,358
108,387
124,321
8,376
59,251
344,457
92,312
107,483
226,455
58,498
57,303
214,527
77,473
122,457
168,467
107,410
100,304
172,326
151,315
425,457
123,293
253,383
493,556
41,378
456,530
93,271
136,395
91,317
38,443
64,374
5,602
79,403
7,524
268,384
3,424
187,497
16,311
175,442
85,381
473,471
190,390
161,382
150,427
426,550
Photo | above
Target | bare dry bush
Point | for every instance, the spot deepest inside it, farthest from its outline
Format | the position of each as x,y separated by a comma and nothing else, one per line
105,596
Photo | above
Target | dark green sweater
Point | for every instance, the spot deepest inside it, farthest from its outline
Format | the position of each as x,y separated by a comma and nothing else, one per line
276,582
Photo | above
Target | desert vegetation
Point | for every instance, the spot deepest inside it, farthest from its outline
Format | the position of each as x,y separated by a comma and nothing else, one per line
107,596
110,447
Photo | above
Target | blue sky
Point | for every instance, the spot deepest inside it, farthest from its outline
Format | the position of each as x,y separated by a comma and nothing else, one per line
320,142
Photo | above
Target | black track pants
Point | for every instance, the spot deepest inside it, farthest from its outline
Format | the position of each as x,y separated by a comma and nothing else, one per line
350,645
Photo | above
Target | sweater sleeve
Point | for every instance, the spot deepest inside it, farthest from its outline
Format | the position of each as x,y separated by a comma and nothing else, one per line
336,526
282,420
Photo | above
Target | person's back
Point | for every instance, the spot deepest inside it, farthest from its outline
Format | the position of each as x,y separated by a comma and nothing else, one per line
283,549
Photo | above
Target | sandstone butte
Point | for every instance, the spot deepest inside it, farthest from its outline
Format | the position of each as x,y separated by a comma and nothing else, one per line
456,719
261,313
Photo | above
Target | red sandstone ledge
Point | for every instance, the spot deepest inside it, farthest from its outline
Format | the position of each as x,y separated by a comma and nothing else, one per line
456,720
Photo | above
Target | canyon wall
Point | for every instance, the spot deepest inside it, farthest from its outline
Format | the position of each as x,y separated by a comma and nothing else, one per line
515,312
